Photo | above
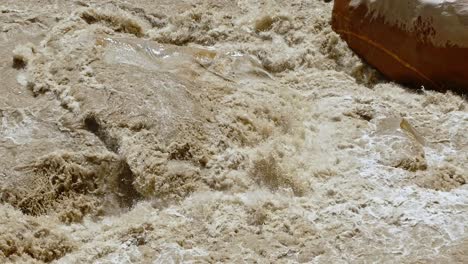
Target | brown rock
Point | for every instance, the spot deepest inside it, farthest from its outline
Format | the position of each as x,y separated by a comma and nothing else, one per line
413,50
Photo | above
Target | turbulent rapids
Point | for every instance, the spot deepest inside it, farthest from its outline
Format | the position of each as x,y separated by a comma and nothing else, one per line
217,132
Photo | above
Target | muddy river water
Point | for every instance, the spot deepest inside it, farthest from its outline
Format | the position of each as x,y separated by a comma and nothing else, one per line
217,131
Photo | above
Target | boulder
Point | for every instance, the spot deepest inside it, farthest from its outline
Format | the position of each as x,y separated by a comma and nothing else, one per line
414,42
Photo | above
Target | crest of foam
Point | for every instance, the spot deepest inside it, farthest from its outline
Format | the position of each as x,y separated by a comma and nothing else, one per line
447,18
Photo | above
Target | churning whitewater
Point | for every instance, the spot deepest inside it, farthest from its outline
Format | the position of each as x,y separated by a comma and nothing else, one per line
157,131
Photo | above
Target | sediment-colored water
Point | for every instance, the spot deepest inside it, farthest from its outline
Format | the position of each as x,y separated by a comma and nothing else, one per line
217,131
